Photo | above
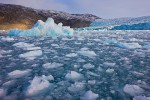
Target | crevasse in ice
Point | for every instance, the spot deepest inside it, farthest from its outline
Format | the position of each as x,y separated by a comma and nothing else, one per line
48,28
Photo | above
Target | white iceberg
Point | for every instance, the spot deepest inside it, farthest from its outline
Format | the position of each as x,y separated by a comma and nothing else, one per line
38,85
48,28
19,73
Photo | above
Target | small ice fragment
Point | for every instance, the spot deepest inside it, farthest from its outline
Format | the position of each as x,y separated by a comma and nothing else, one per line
88,66
89,95
38,85
76,87
91,82
9,83
49,78
71,55
109,64
74,76
33,48
129,45
89,54
133,90
23,45
2,93
109,70
140,98
19,73
9,39
84,49
31,54
52,65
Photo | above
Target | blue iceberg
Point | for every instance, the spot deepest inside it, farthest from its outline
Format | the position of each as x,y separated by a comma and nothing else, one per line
48,28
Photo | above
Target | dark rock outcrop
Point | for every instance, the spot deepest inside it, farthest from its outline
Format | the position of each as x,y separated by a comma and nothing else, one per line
15,16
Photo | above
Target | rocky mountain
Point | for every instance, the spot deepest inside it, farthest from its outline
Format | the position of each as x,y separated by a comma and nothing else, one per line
16,16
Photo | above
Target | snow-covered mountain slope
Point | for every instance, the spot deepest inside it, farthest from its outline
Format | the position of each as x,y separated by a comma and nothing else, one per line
15,16
139,23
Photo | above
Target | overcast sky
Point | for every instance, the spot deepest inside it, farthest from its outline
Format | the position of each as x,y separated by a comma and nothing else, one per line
101,8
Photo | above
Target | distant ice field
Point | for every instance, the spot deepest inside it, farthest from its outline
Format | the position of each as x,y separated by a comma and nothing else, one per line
90,65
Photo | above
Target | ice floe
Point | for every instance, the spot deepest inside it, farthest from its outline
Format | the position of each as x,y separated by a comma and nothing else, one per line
74,76
129,45
38,85
89,95
19,73
76,87
89,54
133,90
71,55
31,54
88,66
52,65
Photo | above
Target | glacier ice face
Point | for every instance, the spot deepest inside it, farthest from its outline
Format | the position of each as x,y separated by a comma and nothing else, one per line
48,28
139,23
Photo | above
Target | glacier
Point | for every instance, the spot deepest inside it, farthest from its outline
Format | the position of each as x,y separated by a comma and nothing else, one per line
48,28
139,23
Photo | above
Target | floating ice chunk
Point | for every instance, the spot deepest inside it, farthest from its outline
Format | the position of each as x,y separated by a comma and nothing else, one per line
71,55
48,28
77,87
74,76
109,70
31,54
140,98
33,48
92,82
38,85
9,39
133,90
19,73
9,83
49,78
146,46
109,64
52,65
2,93
89,95
88,66
89,54
23,45
129,45
84,49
